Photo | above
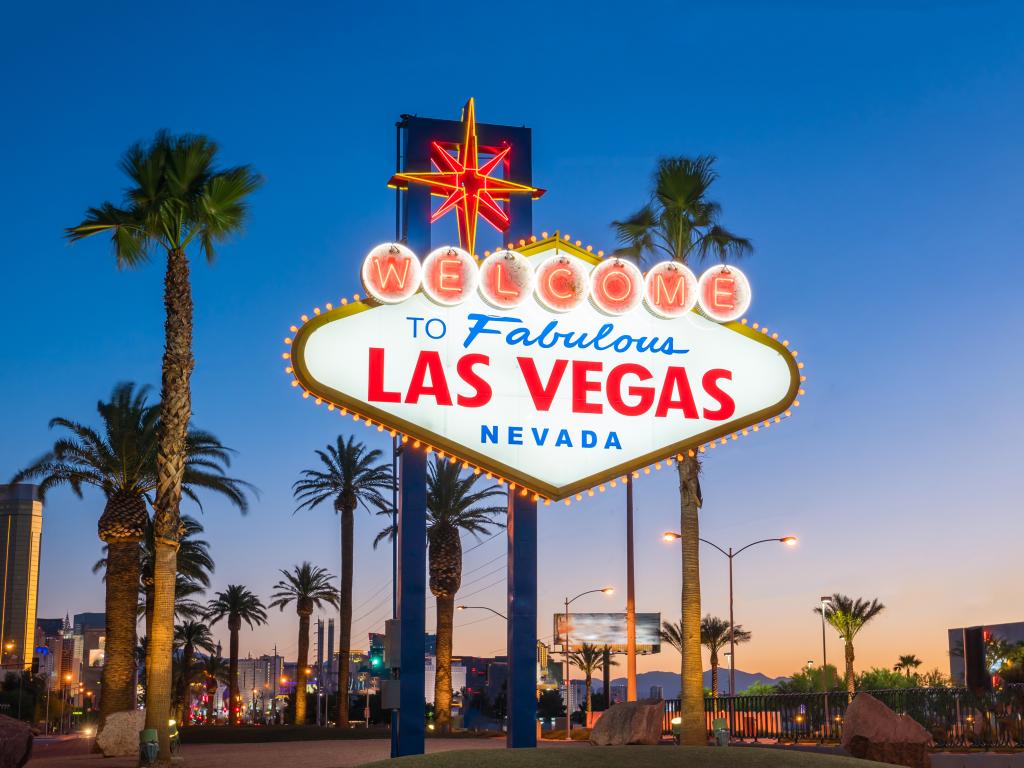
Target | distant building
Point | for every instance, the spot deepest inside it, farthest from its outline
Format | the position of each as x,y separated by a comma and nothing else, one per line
657,693
618,694
430,676
21,527
1011,633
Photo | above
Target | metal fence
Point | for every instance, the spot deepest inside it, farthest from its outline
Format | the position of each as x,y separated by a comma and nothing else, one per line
955,717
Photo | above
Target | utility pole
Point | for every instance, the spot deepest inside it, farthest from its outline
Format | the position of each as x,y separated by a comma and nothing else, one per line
276,672
630,597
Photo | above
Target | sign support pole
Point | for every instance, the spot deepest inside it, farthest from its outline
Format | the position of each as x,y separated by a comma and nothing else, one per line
412,567
522,621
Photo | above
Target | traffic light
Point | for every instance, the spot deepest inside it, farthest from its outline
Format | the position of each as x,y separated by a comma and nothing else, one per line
376,658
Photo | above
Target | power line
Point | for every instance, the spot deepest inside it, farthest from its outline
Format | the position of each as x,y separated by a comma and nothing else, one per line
481,543
478,591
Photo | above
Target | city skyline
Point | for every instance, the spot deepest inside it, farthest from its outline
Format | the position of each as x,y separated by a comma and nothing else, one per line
874,215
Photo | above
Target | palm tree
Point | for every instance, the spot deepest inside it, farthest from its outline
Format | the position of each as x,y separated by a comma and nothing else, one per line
906,663
681,223
714,635
189,636
848,616
352,475
236,604
119,458
454,505
178,198
590,659
309,587
213,670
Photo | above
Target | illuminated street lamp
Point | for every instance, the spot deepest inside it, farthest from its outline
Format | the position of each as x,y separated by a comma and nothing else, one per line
568,688
481,608
789,541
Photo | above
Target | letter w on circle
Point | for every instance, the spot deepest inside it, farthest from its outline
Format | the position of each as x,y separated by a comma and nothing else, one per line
542,394
384,280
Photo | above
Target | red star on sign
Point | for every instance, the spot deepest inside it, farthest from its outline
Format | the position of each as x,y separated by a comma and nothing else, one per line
465,185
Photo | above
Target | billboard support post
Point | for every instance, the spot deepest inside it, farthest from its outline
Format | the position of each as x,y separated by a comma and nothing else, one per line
412,565
522,621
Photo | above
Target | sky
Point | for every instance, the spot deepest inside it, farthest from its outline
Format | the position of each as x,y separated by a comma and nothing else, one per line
871,151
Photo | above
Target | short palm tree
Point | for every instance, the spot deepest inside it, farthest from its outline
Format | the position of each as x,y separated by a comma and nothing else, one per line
590,659
213,670
714,635
177,199
454,505
236,604
309,587
350,476
907,663
681,223
190,637
848,616
119,458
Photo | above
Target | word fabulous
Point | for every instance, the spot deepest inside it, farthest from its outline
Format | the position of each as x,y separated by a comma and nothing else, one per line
392,273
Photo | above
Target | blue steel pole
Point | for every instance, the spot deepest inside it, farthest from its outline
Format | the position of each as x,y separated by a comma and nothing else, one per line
522,621
412,566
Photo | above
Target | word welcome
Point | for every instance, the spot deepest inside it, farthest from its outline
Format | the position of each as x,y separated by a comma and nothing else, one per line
391,273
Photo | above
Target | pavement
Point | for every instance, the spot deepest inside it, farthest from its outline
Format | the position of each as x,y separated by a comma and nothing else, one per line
75,752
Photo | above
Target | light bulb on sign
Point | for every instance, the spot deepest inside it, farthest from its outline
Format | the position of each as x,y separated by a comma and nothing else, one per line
450,275
670,289
506,279
391,273
724,294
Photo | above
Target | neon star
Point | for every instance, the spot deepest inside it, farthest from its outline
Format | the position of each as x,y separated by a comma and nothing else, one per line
465,185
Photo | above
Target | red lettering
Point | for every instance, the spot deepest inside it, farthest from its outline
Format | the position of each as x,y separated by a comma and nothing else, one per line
676,382
581,386
428,365
384,280
726,405
542,394
499,283
646,394
449,275
481,389
375,382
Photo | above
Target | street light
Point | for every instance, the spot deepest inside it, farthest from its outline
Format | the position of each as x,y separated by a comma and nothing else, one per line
789,541
480,608
568,688
826,602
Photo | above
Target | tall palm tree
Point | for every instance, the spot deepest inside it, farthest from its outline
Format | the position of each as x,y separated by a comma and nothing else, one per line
714,635
907,663
309,587
351,475
681,223
454,504
848,616
119,458
177,199
189,636
590,659
236,604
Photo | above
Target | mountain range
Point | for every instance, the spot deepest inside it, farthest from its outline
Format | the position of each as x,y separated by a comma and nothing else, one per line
669,681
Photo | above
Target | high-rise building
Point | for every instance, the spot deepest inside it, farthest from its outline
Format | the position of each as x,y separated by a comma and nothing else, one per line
21,526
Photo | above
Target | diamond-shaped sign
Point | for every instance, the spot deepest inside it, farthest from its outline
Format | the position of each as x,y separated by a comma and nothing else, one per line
554,402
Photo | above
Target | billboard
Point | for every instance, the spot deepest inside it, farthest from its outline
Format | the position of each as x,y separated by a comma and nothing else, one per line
545,366
609,629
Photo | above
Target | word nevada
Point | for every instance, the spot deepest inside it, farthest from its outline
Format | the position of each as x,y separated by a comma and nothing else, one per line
506,279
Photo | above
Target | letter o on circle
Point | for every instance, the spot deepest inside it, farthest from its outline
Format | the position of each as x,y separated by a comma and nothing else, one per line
616,287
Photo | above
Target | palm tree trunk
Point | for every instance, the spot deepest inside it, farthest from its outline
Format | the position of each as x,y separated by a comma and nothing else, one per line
300,669
590,702
850,686
443,665
714,678
150,600
175,412
345,614
122,595
693,730
606,676
183,698
234,625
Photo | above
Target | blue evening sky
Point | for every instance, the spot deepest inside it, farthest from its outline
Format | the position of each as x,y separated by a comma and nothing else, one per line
872,151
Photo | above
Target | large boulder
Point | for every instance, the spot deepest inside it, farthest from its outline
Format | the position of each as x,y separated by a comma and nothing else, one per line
120,734
872,731
633,722
15,742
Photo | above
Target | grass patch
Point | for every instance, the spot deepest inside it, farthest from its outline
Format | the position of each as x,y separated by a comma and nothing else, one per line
634,757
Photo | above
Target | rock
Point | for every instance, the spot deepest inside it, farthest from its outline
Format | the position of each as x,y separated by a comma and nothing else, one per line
872,731
633,722
120,734
15,742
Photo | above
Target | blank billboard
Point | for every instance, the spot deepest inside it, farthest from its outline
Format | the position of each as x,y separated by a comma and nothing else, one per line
609,629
